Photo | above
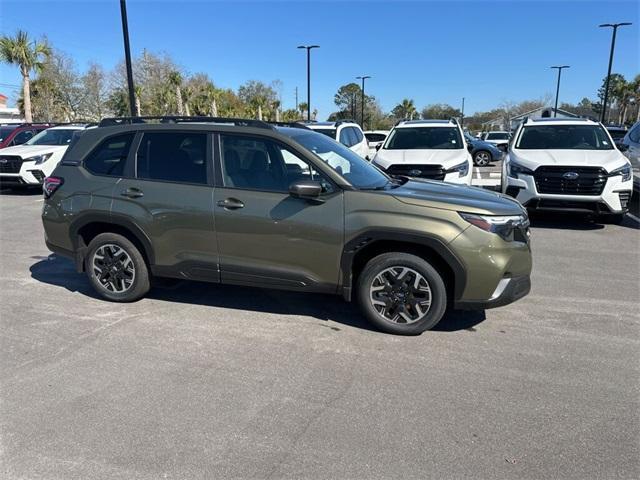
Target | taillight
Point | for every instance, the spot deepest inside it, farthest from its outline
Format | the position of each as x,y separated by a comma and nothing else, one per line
50,185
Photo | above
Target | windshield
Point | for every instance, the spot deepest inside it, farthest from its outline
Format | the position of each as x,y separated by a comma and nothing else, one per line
564,137
356,170
428,138
5,132
52,137
498,136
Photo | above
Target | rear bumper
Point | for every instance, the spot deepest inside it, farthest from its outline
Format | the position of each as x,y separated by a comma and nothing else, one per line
509,290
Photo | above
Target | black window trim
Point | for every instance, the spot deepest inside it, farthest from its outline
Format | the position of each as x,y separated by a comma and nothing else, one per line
219,177
132,159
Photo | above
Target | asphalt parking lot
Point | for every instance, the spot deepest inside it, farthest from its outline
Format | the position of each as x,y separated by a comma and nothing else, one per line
205,381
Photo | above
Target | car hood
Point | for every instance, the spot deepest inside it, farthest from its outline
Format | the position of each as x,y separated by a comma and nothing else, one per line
461,198
446,158
608,159
26,151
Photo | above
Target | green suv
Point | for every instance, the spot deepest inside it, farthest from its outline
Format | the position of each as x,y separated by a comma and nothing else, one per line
246,202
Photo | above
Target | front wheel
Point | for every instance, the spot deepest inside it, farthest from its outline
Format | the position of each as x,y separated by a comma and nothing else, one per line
116,268
482,158
401,293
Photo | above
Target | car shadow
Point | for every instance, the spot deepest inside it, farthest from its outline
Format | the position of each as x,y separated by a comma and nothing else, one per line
60,272
572,221
21,192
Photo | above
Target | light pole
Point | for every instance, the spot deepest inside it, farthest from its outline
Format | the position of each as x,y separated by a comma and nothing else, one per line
309,48
363,78
127,57
613,46
462,115
559,67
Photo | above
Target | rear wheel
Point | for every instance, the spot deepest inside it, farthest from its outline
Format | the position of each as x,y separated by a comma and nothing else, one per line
116,268
401,293
482,158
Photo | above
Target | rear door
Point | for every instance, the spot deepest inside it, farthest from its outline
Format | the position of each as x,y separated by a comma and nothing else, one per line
265,236
168,193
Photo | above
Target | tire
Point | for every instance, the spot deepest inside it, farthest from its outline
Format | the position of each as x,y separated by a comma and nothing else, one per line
130,278
390,267
482,158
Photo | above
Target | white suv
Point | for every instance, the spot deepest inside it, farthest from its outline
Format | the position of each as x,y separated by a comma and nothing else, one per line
432,149
499,139
30,163
567,164
346,132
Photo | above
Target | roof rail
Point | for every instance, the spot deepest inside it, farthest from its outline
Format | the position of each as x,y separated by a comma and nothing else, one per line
345,120
32,124
241,122
289,124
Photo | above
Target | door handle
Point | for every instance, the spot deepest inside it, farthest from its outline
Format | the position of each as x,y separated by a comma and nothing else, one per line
132,193
230,204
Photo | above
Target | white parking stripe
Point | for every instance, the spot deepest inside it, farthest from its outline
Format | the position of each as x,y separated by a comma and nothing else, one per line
495,174
485,182
478,175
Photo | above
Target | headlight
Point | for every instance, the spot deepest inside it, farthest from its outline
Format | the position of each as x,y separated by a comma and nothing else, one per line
39,158
503,225
462,169
625,171
514,169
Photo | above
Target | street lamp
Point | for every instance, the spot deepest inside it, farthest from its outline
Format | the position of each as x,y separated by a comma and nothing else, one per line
363,78
127,57
613,46
559,67
309,48
462,115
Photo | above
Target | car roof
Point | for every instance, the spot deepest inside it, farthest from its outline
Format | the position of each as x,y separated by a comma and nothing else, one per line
559,121
426,122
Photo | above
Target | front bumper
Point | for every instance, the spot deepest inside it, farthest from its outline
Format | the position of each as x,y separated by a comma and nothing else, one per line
613,199
32,177
509,290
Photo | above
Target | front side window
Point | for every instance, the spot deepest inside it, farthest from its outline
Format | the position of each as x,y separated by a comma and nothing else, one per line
345,138
424,138
256,163
5,132
634,134
564,137
22,137
358,134
173,157
110,156
52,137
357,171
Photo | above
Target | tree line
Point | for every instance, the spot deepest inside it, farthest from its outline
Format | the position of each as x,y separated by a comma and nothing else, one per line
54,90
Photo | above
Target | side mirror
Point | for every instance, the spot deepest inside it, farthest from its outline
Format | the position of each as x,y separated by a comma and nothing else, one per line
623,147
306,189
378,146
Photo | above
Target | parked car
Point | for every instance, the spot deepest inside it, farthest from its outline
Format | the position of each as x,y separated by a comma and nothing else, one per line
499,139
248,203
28,164
568,164
13,134
617,132
482,153
347,132
432,149
631,146
375,138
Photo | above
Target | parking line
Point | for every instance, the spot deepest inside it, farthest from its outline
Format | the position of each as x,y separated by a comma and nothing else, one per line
478,175
40,200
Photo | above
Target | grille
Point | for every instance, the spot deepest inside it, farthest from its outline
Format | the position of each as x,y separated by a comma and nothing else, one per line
10,164
433,172
590,180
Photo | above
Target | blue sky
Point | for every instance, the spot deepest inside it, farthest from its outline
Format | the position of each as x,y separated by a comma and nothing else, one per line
433,52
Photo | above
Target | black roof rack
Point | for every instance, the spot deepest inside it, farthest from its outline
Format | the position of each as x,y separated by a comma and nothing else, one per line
345,120
32,124
241,122
289,124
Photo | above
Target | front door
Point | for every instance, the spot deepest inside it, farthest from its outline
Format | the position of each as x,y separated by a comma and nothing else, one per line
169,195
265,236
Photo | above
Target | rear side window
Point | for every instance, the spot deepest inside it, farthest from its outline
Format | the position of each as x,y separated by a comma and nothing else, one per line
110,156
173,156
22,137
634,135
345,138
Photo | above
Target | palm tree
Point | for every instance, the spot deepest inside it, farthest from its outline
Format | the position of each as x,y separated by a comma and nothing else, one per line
405,109
175,79
29,55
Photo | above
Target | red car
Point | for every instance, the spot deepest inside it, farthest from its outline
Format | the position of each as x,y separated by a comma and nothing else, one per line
12,134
